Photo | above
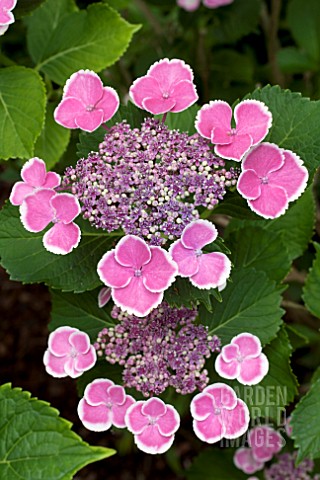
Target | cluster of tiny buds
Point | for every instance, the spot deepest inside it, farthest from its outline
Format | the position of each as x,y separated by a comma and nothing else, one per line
149,182
165,348
286,469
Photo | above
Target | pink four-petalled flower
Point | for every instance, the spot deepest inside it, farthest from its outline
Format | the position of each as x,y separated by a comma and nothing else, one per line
35,176
46,206
218,413
86,103
243,359
204,270
245,461
265,442
138,274
252,122
167,87
271,178
191,5
104,404
69,353
153,424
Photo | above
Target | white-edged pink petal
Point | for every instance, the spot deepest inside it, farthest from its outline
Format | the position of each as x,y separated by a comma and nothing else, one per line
19,192
151,441
95,418
96,392
202,405
136,422
254,118
249,185
89,120
52,180
144,87
158,105
264,159
8,4
225,369
80,341
214,269
66,207
169,423
62,238
85,361
198,234
236,421
6,18
36,211
85,85
54,365
132,251
292,176
229,352
271,203
170,72
34,172
253,370
109,103
104,296
154,407
160,272
185,94
58,341
185,258
210,430
3,29
119,412
236,149
244,460
265,442
67,111
216,114
249,345
112,273
224,396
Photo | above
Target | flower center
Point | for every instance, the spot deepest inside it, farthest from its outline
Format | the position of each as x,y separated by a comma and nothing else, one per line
152,421
198,252
137,273
264,180
240,359
73,353
233,132
90,108
165,95
217,411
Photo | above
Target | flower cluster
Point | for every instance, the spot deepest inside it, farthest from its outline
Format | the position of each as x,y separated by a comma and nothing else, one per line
191,5
6,15
163,349
286,469
148,181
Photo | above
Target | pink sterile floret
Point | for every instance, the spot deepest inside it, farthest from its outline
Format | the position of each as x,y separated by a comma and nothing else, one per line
46,206
189,5
34,175
218,413
167,87
138,274
252,122
243,359
265,442
216,3
153,424
6,16
86,103
205,270
245,461
69,353
271,178
104,404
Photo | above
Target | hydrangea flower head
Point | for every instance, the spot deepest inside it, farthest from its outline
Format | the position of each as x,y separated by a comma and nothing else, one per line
6,15
138,274
86,103
205,270
104,404
245,461
37,211
271,178
35,176
167,87
252,122
285,468
218,413
265,442
69,353
153,424
243,359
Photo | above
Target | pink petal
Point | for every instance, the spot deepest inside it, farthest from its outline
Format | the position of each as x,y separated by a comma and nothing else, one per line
216,114
220,136
160,272
253,370
198,234
119,412
89,121
62,239
170,72
292,176
263,159
135,298
227,369
85,85
6,18
264,442
34,172
224,396
185,258
210,430
185,94
117,394
243,459
52,180
202,405
249,345
36,212
67,111
249,185
3,29
96,392
144,87
80,341
112,273
109,103
8,4
237,420
216,3
58,341
272,202
158,105
154,407
54,365
229,352
235,150
136,422
214,269
104,296
66,207
253,118
19,192
97,419
85,361
169,423
70,368
189,5
132,251
151,441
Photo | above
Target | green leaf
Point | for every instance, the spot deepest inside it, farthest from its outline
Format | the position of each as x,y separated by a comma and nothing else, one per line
261,249
305,26
296,337
250,303
183,294
305,424
291,60
24,257
53,140
215,464
21,113
62,40
79,311
295,124
311,289
36,443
